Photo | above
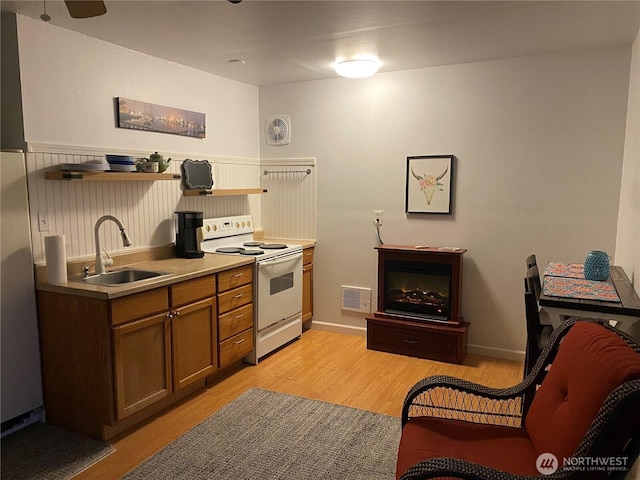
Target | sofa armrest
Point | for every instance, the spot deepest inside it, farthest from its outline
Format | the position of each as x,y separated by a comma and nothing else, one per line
456,468
456,399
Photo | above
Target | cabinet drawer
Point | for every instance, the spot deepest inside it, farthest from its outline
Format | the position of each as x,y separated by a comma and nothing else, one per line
139,305
192,290
420,340
235,321
307,256
235,298
236,347
235,277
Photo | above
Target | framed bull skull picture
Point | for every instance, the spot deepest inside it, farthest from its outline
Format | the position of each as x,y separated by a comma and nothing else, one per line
429,186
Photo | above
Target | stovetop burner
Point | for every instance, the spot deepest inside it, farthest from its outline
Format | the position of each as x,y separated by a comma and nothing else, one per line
234,236
273,246
229,250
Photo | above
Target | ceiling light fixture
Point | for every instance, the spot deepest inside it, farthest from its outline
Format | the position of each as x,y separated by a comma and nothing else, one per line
357,67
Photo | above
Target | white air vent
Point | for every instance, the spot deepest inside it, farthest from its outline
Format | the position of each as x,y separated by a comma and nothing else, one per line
356,299
278,130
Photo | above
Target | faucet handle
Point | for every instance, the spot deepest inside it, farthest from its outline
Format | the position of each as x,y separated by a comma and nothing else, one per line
108,262
85,271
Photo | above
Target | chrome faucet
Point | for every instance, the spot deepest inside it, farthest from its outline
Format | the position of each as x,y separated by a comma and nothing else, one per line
125,240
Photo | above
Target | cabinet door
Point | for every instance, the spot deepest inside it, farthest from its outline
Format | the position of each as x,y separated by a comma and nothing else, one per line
194,341
142,358
307,292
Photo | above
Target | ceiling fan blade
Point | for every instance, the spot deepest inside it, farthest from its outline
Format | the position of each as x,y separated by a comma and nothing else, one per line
85,8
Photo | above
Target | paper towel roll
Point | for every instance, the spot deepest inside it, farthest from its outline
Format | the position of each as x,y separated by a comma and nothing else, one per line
56,258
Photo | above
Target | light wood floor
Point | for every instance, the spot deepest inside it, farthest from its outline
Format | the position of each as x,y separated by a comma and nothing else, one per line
327,366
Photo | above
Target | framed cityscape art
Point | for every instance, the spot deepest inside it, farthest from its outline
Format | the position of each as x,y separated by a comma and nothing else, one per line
149,117
429,186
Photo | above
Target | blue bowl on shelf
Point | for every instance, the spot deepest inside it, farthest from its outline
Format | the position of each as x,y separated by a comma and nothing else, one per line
120,159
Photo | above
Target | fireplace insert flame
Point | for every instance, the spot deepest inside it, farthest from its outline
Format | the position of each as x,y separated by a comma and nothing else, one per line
420,290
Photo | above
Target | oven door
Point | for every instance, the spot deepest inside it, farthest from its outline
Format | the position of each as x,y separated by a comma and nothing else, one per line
279,289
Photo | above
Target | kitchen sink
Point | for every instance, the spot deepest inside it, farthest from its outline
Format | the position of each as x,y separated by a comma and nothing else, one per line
120,277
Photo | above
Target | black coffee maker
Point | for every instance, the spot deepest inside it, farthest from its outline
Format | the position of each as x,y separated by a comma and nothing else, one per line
187,244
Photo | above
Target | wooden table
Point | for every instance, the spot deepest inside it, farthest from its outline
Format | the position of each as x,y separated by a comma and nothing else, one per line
624,313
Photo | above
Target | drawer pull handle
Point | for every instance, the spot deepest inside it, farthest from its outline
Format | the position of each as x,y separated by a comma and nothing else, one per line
239,274
412,342
238,316
238,342
239,295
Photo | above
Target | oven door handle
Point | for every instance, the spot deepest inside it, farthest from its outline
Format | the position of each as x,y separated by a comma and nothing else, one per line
270,263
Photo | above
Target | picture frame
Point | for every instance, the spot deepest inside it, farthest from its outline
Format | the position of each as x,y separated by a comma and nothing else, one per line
149,117
429,186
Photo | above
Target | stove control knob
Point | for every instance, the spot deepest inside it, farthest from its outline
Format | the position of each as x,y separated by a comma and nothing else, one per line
237,225
242,223
208,228
215,227
248,223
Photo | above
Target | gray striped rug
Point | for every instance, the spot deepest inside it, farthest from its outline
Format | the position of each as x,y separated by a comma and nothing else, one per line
266,435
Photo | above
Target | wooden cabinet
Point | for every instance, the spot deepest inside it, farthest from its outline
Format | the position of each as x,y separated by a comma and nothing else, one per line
108,364
307,284
194,338
235,314
142,363
154,355
441,337
445,343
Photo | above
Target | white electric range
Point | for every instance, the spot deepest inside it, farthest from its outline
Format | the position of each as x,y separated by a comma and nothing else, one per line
277,279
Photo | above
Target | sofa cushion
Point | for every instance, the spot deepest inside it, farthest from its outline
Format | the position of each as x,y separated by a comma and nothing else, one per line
591,362
504,448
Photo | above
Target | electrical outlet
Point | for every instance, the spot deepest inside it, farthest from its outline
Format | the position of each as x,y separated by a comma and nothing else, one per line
377,218
43,221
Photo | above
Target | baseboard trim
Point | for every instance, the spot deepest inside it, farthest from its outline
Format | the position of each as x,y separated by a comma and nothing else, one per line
339,328
515,355
503,353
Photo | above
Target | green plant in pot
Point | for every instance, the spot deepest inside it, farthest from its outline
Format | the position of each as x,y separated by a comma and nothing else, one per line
155,157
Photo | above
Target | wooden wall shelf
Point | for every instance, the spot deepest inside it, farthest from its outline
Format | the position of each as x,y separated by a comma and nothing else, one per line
223,192
109,176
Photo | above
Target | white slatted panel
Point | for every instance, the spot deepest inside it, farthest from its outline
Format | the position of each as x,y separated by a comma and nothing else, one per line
145,208
289,208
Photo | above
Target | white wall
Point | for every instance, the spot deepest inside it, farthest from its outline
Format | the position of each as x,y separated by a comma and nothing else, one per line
628,238
539,142
69,82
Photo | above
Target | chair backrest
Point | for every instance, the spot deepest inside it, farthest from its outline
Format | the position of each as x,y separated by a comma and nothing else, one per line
591,362
532,315
534,278
531,261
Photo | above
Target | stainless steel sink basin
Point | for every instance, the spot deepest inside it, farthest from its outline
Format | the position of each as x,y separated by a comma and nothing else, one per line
120,277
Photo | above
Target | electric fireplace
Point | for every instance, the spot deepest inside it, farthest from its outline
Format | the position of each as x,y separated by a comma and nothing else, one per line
419,290
419,297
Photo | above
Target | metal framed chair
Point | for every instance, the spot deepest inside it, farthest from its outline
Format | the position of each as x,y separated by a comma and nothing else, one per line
587,406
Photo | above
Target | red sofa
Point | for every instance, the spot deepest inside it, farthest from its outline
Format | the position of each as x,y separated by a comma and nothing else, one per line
581,401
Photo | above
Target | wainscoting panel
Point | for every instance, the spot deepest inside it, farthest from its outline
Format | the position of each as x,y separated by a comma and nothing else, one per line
289,208
145,208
